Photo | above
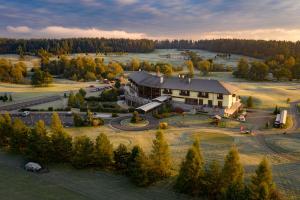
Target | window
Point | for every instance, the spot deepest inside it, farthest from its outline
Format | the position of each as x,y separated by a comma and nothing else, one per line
220,96
201,102
191,101
203,94
167,91
220,104
184,93
210,103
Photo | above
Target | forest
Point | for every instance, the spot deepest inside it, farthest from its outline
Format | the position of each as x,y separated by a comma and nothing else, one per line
74,45
253,48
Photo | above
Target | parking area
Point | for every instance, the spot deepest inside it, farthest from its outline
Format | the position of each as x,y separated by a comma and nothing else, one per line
259,118
32,118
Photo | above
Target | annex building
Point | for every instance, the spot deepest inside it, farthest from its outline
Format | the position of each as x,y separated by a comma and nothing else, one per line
187,93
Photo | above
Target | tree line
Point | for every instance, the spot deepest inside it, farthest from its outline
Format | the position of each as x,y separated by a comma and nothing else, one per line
74,45
253,48
281,67
195,177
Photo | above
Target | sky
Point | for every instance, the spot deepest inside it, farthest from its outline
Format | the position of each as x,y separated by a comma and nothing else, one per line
153,19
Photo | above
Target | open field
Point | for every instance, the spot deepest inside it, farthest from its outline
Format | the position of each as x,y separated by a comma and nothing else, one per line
27,92
30,61
266,94
67,183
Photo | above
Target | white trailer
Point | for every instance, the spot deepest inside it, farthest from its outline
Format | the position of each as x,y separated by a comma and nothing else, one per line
283,116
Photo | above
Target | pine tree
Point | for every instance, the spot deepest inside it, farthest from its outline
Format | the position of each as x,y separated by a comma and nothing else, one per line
212,180
121,158
160,157
233,176
191,171
61,141
262,185
5,129
139,167
39,144
19,139
103,152
71,100
82,92
250,102
82,152
56,125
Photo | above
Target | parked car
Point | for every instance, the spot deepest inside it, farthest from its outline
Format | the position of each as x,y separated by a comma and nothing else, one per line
25,113
33,167
241,118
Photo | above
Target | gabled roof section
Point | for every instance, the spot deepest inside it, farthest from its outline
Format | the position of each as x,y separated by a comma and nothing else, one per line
199,85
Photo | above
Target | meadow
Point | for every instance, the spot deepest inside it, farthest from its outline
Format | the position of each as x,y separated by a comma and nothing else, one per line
65,182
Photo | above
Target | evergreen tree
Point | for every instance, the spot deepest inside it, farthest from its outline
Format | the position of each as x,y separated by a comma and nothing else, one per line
103,152
242,69
61,141
82,152
233,176
19,139
39,144
71,100
82,92
139,167
212,181
191,171
5,129
56,125
262,186
250,102
160,157
10,98
121,158
77,119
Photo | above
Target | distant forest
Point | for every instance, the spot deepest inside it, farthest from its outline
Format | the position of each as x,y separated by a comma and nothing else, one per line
252,48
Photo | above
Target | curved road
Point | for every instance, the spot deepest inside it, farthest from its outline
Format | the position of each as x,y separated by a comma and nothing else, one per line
26,104
260,135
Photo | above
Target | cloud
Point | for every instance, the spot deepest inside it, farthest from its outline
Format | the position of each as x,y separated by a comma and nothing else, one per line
126,2
67,32
18,29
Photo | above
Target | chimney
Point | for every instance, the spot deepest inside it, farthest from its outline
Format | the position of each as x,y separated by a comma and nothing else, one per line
189,80
161,80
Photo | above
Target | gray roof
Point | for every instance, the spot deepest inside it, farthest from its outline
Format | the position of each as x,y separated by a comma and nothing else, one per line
199,85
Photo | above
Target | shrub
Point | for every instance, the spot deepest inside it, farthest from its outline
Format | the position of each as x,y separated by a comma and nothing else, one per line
178,110
50,108
97,122
135,117
109,95
163,125
114,115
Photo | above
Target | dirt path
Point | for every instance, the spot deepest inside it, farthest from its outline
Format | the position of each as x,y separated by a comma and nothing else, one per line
261,135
